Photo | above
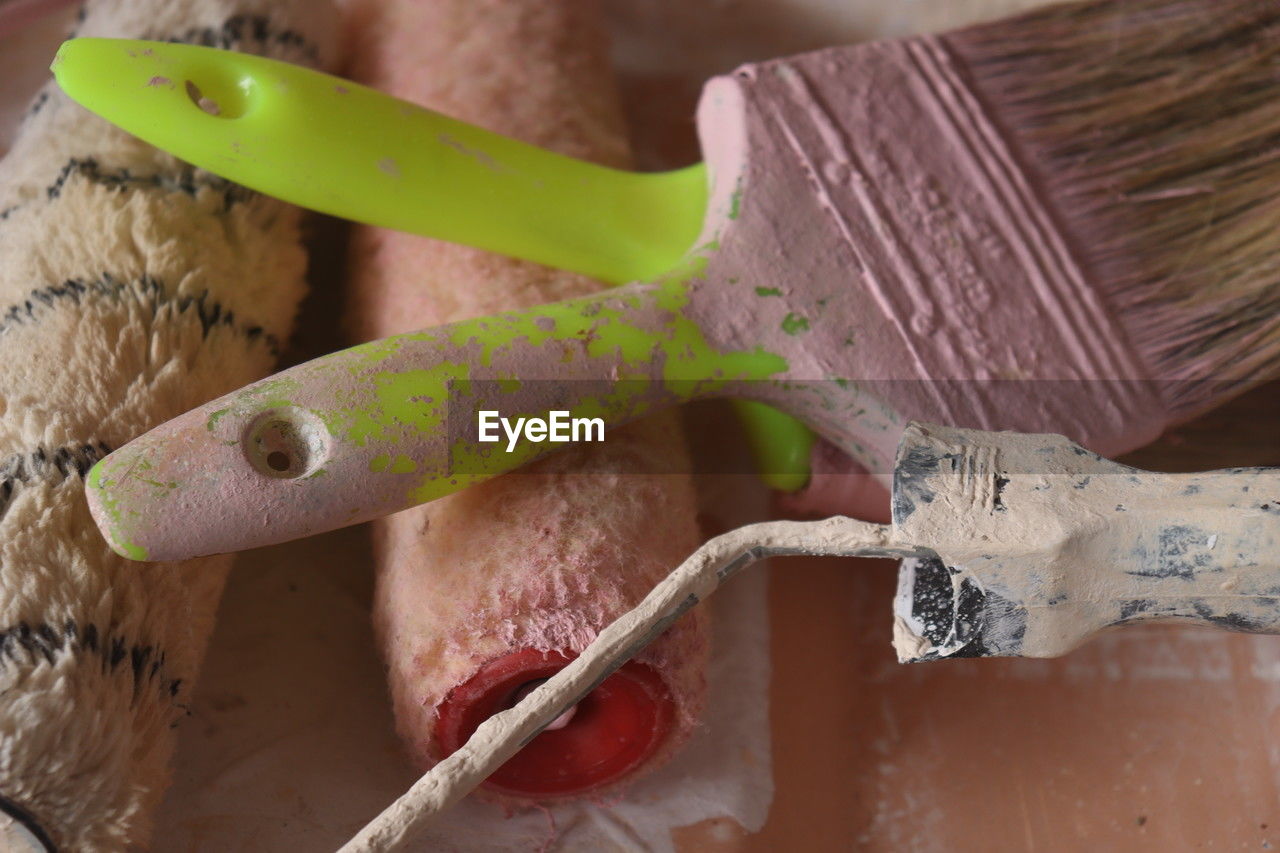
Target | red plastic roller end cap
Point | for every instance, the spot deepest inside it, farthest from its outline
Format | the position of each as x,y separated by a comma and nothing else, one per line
611,732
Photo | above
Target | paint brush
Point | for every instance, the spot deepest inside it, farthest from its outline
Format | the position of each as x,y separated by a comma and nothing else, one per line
999,227
1046,542
480,595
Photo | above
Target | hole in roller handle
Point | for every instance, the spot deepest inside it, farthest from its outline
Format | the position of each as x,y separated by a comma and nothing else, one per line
286,443
220,92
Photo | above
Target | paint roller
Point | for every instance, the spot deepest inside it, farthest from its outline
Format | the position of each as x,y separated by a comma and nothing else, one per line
483,594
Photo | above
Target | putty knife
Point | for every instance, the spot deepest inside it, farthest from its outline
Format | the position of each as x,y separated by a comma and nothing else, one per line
1012,544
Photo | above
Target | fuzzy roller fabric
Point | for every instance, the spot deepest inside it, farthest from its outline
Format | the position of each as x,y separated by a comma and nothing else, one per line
545,557
132,288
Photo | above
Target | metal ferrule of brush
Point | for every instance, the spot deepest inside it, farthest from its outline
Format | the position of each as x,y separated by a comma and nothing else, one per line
1042,543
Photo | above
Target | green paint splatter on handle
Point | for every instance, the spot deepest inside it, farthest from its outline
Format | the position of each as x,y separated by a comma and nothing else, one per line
402,464
97,480
794,324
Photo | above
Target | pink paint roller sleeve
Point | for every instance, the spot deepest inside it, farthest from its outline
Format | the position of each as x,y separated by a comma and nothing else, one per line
482,594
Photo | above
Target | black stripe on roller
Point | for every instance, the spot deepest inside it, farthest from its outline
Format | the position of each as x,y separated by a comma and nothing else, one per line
187,181
32,644
210,312
44,465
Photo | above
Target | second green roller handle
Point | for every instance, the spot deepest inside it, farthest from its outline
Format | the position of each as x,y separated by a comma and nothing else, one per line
370,430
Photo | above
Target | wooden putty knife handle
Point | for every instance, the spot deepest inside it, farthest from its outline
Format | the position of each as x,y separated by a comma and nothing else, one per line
1042,543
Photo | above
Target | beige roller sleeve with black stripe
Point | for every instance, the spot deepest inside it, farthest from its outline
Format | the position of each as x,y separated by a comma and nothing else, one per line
483,593
132,288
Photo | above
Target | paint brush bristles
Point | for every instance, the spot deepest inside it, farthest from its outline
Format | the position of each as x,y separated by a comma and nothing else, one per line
1153,129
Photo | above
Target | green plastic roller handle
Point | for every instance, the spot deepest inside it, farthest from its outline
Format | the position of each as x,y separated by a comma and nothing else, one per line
288,131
